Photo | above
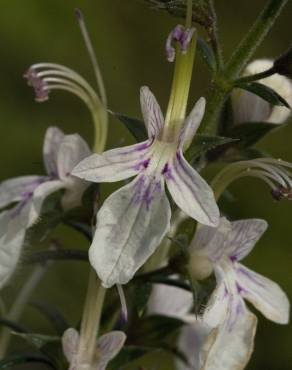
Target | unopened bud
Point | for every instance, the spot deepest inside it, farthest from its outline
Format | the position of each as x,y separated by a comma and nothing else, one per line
248,107
200,266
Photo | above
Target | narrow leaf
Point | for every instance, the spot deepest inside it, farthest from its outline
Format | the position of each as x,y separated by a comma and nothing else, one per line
135,126
207,54
13,326
26,357
38,340
203,143
250,133
265,92
53,315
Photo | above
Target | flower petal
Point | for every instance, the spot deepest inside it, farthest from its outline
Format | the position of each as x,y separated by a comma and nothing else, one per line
151,111
190,343
211,241
70,342
229,350
191,192
264,294
114,165
52,142
108,346
14,190
11,240
130,225
192,124
171,301
244,236
71,151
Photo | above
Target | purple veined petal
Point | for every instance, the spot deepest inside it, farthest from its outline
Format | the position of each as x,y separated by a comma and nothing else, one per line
171,301
227,349
53,139
244,236
192,124
11,241
115,164
72,150
108,346
217,306
191,192
190,342
264,294
31,210
130,225
151,111
70,342
18,188
211,241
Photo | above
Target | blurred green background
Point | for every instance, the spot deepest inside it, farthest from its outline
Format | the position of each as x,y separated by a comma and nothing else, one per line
129,40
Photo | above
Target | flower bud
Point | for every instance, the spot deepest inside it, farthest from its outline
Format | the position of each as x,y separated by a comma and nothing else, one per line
248,107
200,266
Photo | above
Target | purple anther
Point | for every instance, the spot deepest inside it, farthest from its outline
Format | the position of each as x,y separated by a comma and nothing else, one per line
181,35
38,84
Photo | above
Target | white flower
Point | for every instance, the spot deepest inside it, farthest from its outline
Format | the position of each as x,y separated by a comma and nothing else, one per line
250,107
177,303
61,153
107,347
225,247
133,220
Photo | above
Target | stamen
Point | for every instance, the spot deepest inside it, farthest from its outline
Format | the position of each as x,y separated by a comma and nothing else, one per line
181,35
39,86
123,303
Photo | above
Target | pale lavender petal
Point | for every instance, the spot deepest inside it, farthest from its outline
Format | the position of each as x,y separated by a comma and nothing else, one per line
18,188
72,150
244,236
52,142
114,165
227,349
190,343
211,241
190,191
11,241
130,225
171,301
151,111
264,294
108,346
70,342
192,124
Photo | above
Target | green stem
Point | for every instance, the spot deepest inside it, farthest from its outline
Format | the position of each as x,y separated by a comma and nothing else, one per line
222,84
213,35
19,305
254,37
90,321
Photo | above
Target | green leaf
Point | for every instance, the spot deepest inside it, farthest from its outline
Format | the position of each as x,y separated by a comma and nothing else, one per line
265,92
127,355
140,296
13,326
250,133
53,315
207,54
38,340
135,126
153,330
203,143
25,357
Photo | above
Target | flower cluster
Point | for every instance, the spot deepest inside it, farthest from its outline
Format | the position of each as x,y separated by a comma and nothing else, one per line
136,226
